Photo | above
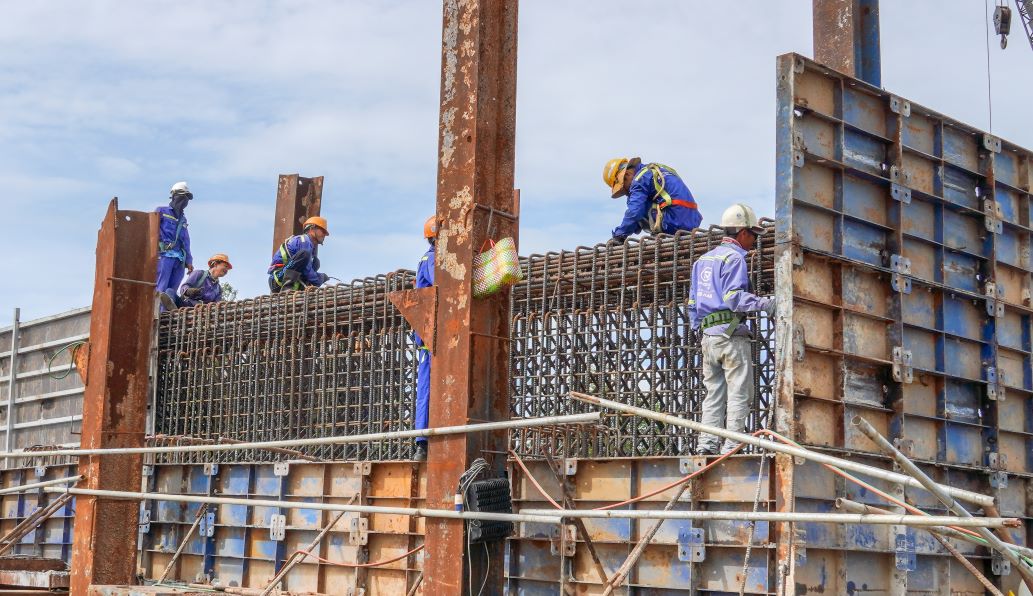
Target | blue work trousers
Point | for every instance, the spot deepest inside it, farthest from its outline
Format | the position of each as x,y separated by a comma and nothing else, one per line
298,264
170,275
422,414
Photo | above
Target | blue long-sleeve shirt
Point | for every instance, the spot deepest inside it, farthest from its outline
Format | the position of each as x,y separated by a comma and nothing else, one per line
211,291
643,200
173,235
295,244
424,279
720,282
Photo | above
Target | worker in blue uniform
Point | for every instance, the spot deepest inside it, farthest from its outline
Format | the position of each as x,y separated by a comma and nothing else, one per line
719,300
295,264
424,279
658,199
201,286
173,240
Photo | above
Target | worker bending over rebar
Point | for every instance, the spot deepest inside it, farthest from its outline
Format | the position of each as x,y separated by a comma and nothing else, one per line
201,286
719,300
424,279
658,199
295,264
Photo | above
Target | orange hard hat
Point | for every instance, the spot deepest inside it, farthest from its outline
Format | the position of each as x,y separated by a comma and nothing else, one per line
319,222
219,258
430,227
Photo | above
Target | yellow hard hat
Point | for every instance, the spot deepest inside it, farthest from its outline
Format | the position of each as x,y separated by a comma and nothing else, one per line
613,174
219,258
317,221
430,227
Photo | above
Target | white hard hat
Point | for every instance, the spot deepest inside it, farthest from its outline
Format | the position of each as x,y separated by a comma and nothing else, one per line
740,216
179,188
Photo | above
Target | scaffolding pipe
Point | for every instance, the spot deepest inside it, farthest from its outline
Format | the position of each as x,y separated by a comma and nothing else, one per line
908,466
586,418
45,483
972,497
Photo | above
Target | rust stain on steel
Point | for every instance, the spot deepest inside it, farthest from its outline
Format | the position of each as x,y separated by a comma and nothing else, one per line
833,22
419,307
297,199
115,400
469,379
82,361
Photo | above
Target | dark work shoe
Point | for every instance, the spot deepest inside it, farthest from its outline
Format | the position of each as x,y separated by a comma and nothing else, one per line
707,451
167,301
421,452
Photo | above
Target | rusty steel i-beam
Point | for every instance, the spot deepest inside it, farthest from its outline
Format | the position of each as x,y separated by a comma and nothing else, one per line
475,203
846,37
115,399
297,199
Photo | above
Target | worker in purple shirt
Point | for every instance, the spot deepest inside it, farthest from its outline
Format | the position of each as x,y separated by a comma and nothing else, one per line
658,199
173,240
719,300
201,286
424,279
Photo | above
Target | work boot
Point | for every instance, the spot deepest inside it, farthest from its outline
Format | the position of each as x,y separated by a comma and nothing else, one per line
706,450
166,301
421,451
729,446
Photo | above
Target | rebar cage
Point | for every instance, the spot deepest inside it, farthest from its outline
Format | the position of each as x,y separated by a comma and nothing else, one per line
611,320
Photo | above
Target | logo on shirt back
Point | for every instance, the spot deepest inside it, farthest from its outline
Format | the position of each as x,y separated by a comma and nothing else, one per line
706,274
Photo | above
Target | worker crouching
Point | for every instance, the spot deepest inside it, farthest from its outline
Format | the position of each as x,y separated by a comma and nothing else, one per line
424,279
719,300
201,286
296,263
658,199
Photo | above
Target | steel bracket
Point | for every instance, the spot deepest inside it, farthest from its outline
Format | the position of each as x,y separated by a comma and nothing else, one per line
994,304
207,526
565,543
211,469
999,480
569,466
900,193
277,527
900,176
798,159
997,460
798,343
899,105
999,565
691,548
901,267
992,216
902,370
145,521
904,549
363,468
994,383
281,468
991,143
147,470
358,531
40,471
906,446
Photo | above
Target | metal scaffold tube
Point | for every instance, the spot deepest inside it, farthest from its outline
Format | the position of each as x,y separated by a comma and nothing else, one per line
586,418
551,516
845,464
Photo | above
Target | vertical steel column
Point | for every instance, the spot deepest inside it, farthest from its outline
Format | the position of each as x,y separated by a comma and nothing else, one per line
469,379
297,199
12,383
846,37
115,400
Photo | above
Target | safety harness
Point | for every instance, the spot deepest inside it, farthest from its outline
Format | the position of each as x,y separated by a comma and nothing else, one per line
721,317
285,256
170,247
664,199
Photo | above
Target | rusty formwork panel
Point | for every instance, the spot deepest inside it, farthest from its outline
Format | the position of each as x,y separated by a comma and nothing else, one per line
48,391
904,277
297,199
115,401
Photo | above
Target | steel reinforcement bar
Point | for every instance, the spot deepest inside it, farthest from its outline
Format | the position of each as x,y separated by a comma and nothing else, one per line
610,319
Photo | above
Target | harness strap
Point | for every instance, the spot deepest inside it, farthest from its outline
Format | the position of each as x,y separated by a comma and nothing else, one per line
721,317
665,199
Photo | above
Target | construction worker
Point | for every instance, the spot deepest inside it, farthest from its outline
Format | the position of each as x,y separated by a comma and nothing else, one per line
296,264
424,279
658,200
173,240
201,286
719,300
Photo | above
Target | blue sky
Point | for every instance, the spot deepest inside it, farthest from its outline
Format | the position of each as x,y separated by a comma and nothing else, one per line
102,99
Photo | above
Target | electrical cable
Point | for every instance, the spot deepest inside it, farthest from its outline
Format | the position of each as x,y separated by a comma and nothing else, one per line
75,345
373,564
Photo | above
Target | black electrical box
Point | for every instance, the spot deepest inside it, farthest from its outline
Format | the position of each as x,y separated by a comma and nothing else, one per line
490,496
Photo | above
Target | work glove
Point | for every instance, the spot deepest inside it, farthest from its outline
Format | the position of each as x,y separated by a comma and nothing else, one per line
192,293
323,278
619,239
190,268
769,308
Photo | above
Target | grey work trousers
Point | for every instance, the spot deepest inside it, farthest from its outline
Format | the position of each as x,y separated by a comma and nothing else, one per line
728,377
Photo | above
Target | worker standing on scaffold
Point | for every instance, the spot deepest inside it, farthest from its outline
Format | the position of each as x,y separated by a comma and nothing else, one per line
658,199
296,264
424,279
719,300
173,240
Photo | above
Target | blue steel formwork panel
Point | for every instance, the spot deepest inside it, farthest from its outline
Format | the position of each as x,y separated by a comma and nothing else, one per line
904,266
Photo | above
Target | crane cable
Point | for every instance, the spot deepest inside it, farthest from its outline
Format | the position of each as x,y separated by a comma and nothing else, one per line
989,97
